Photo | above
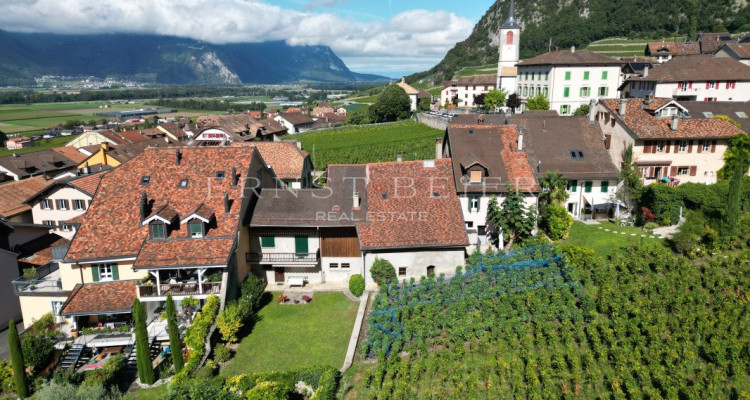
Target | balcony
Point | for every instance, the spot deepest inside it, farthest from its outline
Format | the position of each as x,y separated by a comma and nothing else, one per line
282,258
179,289
47,281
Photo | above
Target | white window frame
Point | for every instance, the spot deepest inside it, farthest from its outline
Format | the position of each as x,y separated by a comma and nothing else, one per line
585,91
706,145
79,205
105,272
60,204
48,223
333,265
474,202
683,146
683,171
345,265
46,204
196,235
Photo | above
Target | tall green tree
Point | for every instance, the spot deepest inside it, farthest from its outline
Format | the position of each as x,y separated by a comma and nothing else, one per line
513,221
494,99
553,188
630,175
142,351
174,335
737,153
513,102
393,104
16,360
734,201
538,102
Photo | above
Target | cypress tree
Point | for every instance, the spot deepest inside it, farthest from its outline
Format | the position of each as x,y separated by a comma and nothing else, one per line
734,199
16,359
174,335
142,351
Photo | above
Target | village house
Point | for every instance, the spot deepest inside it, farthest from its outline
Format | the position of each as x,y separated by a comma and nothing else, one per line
569,78
738,51
294,122
322,108
44,162
415,95
14,208
211,130
10,271
736,111
705,43
18,142
486,158
465,88
668,145
695,78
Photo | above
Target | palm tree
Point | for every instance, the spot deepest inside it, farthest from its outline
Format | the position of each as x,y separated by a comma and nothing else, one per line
553,188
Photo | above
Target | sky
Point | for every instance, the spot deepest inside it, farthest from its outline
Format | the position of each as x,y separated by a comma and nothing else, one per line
386,37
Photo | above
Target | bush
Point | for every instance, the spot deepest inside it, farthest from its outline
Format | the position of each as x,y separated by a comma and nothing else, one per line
37,351
195,337
208,371
108,374
556,222
393,104
7,384
230,321
252,293
57,391
357,285
222,353
267,391
664,201
326,389
382,271
43,324
650,226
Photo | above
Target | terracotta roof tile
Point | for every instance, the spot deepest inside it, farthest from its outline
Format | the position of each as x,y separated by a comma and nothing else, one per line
184,252
203,211
644,125
411,204
285,158
38,252
296,118
672,48
37,163
132,136
89,183
15,193
114,297
72,153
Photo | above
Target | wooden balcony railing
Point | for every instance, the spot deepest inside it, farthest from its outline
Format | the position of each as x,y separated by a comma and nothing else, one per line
179,289
287,258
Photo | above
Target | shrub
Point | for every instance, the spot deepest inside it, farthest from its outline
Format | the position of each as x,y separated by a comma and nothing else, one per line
650,226
43,324
195,337
556,222
326,389
29,274
7,384
209,370
108,374
664,201
37,351
222,353
230,321
252,293
357,285
57,391
382,271
267,391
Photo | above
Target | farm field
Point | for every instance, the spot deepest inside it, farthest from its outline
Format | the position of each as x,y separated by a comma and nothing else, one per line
560,323
43,144
479,70
369,143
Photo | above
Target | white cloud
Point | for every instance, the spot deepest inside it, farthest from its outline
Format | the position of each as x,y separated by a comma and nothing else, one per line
415,34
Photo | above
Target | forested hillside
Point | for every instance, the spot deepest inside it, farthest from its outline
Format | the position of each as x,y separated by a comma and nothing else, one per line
579,22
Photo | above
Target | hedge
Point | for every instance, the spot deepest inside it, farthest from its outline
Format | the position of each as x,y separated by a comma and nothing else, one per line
195,337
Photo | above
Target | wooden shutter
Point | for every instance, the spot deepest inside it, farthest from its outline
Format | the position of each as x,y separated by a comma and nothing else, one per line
690,146
95,272
673,171
668,145
708,85
607,141
693,170
647,146
52,204
713,146
700,146
88,204
115,272
67,205
676,146
300,245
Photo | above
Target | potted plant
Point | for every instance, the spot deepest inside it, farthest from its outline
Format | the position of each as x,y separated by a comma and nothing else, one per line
306,298
282,298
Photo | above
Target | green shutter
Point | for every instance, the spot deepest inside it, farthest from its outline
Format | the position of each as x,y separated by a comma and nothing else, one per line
95,272
580,92
585,75
566,92
267,241
115,272
604,74
606,92
588,186
567,75
470,199
573,185
605,186
300,245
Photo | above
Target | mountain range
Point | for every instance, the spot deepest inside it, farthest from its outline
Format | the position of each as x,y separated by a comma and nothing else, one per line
167,59
565,23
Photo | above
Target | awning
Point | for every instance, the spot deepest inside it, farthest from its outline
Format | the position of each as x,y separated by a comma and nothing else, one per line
652,163
296,266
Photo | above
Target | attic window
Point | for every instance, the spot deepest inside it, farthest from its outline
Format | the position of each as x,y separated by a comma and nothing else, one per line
145,179
158,231
436,195
183,183
576,155
471,132
741,114
195,229
708,114
384,196
573,155
219,174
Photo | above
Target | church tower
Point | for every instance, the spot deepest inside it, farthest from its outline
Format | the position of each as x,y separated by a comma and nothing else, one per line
510,41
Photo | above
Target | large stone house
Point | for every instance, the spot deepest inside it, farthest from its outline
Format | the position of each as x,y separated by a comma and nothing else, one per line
464,89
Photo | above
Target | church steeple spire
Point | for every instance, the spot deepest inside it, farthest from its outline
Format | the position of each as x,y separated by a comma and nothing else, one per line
511,21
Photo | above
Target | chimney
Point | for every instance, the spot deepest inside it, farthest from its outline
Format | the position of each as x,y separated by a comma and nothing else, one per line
572,49
438,148
592,111
143,204
226,203
623,106
399,158
178,157
86,169
520,140
645,71
355,200
299,144
675,123
235,177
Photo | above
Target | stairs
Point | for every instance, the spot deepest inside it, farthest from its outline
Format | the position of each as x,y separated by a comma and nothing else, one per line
73,355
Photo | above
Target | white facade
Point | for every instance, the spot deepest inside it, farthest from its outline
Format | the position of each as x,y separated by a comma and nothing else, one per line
414,263
691,90
568,87
474,208
464,92
583,194
58,206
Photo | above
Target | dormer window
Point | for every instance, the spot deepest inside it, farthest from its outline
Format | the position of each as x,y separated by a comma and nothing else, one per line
183,183
219,174
158,230
145,179
195,229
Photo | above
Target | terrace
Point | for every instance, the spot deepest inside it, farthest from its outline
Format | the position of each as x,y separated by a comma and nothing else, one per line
197,282
47,281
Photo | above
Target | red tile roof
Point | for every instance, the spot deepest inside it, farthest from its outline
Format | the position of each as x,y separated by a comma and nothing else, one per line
296,118
15,193
185,252
89,183
38,252
567,57
411,204
285,158
72,153
114,297
644,125
672,48
112,226
699,67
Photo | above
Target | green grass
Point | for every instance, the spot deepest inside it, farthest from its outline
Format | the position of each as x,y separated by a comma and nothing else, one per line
289,337
373,143
367,99
479,70
40,145
156,393
609,47
16,118
603,242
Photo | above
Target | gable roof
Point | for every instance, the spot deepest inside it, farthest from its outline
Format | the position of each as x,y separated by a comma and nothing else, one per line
425,212
296,118
126,152
87,184
711,41
698,67
285,159
567,57
71,153
36,163
42,250
741,50
549,142
644,125
114,297
495,145
15,193
736,110
672,48
112,224
473,80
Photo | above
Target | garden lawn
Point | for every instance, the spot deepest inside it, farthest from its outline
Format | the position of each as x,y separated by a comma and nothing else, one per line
42,144
288,337
605,242
157,393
